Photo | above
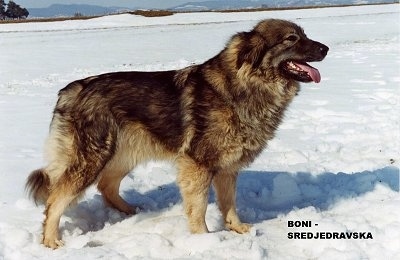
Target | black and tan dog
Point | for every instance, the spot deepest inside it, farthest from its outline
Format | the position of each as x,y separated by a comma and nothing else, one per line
210,119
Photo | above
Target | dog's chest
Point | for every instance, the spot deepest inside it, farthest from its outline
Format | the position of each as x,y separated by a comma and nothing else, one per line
233,142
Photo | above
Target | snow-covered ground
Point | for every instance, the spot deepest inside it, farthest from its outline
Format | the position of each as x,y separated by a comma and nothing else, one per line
334,161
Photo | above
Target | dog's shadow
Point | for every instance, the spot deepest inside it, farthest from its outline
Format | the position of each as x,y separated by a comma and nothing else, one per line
260,196
265,195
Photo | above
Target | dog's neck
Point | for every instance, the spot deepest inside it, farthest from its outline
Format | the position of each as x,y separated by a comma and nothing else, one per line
251,94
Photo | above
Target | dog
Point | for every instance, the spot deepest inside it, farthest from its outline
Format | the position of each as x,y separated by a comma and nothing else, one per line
211,120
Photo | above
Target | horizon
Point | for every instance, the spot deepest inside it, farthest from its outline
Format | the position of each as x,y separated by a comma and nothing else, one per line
156,4
105,3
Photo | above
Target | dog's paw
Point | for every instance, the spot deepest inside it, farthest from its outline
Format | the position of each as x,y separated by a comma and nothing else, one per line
240,228
198,228
130,210
53,243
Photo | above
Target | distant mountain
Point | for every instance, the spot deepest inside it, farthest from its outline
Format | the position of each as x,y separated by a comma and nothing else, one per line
243,4
217,5
70,10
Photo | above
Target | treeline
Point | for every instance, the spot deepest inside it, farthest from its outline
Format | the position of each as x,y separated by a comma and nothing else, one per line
12,11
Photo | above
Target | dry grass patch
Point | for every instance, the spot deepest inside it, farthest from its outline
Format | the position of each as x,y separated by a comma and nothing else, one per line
152,13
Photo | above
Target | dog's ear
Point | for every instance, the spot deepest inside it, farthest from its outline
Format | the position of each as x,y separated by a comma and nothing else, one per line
252,49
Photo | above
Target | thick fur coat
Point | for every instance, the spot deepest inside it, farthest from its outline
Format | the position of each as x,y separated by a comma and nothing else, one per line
211,120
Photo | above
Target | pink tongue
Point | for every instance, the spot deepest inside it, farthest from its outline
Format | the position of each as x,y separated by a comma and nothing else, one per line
312,72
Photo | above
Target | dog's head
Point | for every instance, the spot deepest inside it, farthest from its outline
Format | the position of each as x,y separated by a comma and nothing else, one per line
280,49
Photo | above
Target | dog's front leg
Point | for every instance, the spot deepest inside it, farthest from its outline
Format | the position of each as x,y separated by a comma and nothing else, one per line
225,187
194,182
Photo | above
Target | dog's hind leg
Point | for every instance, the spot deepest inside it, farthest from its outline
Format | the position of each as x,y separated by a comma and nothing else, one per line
78,164
109,183
122,162
57,202
81,173
134,146
68,188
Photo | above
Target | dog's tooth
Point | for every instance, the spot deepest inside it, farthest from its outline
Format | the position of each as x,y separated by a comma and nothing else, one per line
291,65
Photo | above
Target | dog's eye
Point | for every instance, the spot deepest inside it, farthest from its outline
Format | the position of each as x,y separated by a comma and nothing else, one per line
292,38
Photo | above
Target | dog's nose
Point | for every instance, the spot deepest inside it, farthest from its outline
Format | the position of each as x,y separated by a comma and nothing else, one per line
323,49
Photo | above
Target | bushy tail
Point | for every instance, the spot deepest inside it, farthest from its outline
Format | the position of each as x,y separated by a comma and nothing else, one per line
38,185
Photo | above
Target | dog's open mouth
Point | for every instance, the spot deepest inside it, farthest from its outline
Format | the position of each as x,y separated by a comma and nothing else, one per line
301,71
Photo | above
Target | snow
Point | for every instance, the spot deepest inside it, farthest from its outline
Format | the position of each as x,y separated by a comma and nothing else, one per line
334,161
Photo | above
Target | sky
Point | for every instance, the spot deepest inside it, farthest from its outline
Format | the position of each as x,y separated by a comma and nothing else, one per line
121,3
